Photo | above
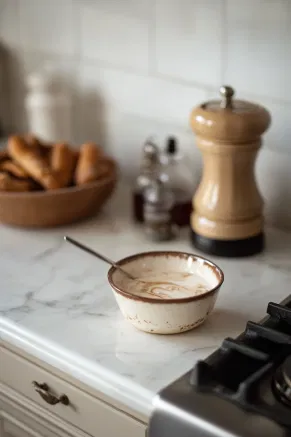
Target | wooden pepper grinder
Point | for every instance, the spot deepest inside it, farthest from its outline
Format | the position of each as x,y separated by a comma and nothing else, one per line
228,209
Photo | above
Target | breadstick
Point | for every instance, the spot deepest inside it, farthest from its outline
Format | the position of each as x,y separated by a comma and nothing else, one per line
32,141
8,183
3,155
63,162
41,148
14,169
46,151
35,165
87,166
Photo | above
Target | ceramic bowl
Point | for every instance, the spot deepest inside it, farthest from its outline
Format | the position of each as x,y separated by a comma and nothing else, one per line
165,315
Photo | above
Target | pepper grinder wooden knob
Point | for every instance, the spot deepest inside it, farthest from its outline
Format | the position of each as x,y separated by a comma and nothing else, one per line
227,218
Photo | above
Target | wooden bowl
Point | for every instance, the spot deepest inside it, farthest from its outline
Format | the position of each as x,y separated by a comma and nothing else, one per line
39,209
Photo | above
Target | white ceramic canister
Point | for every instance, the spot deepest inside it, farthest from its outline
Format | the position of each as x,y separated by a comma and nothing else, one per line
48,106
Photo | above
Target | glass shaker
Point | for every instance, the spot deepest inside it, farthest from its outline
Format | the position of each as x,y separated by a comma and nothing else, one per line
180,177
148,170
158,204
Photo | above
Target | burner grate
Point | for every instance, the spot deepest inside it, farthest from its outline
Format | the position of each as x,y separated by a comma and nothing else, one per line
234,345
242,389
271,334
236,369
283,313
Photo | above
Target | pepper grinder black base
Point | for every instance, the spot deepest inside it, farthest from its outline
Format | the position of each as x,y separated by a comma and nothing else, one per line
229,248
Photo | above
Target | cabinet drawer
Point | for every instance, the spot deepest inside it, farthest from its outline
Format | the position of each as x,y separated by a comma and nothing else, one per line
20,417
17,421
83,410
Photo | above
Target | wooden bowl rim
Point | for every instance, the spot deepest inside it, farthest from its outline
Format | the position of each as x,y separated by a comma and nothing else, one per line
58,191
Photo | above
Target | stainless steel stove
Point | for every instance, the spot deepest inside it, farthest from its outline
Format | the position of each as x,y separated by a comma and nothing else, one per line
242,390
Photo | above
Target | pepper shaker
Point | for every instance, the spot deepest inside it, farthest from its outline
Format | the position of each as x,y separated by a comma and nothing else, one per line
228,209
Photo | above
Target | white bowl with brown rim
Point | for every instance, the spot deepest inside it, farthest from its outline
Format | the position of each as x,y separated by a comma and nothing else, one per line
174,291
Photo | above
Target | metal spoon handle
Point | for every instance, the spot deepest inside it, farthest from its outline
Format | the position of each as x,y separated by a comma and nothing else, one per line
98,255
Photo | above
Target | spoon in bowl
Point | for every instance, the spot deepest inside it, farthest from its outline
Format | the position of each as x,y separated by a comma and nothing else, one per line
148,284
98,255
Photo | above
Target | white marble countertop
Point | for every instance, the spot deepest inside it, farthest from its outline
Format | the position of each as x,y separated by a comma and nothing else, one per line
55,303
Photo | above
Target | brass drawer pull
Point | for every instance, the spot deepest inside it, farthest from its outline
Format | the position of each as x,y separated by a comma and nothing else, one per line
44,391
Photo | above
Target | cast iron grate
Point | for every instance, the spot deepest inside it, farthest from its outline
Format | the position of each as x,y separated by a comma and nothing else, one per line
237,368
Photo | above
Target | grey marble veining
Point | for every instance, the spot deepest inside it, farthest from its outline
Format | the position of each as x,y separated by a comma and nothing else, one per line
55,303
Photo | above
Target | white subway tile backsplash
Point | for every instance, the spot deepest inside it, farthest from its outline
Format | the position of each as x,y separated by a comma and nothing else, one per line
258,57
189,39
117,35
9,23
142,96
47,26
123,134
128,8
120,110
130,64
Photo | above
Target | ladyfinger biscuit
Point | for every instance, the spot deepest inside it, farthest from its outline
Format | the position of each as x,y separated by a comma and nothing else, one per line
34,164
40,148
3,155
87,165
14,169
63,163
11,184
32,141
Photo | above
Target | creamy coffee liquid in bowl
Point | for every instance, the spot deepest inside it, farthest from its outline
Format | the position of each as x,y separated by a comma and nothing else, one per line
166,277
167,285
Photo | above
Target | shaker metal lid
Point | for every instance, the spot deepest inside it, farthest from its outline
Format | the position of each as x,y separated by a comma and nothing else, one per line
230,119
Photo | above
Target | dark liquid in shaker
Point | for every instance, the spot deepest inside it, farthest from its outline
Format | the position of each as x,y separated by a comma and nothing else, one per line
181,213
138,202
181,210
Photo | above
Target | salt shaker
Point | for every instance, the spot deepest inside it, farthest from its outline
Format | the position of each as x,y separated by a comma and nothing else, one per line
48,106
158,204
